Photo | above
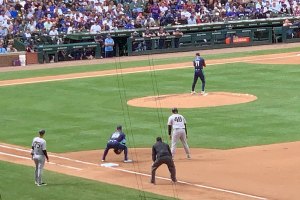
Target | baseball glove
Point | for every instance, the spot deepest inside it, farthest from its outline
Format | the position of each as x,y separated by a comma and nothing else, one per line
118,151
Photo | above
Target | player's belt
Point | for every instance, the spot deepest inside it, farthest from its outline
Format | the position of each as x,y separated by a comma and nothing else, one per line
178,128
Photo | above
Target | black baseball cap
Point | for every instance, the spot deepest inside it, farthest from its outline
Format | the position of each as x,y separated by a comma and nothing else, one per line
42,131
119,127
174,110
197,54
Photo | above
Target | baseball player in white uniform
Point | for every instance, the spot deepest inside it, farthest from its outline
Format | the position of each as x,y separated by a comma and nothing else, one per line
177,130
39,153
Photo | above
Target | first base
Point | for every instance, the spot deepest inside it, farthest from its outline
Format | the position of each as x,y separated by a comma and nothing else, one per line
109,165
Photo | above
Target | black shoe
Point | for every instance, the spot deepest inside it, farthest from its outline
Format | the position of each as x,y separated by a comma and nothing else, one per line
153,182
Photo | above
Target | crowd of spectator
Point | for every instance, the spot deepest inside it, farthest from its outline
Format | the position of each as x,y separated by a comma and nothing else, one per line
25,18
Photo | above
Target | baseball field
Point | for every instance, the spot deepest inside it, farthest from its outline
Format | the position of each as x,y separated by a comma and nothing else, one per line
243,135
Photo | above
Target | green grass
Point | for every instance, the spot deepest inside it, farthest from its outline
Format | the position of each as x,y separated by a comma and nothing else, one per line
17,183
151,61
81,114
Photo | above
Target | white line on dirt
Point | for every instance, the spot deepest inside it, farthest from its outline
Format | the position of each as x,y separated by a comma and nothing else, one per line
16,156
50,154
70,167
52,163
139,173
196,185
133,72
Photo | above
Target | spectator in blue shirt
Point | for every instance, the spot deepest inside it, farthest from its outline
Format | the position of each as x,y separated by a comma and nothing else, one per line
39,14
13,12
39,25
129,25
2,49
2,33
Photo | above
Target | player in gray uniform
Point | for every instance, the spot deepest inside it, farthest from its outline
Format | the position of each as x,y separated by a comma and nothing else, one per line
39,153
177,130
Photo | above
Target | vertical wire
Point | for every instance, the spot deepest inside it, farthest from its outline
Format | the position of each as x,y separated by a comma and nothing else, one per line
160,112
126,113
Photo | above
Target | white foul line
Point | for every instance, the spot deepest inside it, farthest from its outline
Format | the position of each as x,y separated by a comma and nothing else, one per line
52,163
75,168
196,185
142,174
132,72
23,157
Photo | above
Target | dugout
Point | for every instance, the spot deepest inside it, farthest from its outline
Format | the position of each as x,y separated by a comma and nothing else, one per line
65,51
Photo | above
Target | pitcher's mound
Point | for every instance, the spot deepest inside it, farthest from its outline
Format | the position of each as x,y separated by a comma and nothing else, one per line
192,100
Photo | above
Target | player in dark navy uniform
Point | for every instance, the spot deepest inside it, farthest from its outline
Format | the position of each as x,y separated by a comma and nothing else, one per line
199,63
117,141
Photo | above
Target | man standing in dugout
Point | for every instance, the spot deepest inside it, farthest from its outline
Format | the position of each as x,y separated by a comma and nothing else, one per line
161,154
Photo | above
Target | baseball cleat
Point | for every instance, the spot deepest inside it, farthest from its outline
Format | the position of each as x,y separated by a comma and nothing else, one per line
203,93
127,161
193,92
188,156
42,184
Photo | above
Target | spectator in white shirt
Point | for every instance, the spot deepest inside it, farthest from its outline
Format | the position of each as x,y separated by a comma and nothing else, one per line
31,26
163,7
275,6
186,13
95,28
70,28
1,19
192,20
98,7
53,32
48,24
27,35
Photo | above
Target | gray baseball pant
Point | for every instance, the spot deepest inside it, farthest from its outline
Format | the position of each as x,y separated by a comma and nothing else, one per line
39,161
179,133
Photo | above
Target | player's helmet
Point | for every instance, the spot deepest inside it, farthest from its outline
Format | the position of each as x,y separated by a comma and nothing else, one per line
174,110
197,54
119,127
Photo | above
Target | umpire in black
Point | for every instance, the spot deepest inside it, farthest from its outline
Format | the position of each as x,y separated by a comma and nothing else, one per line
161,154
